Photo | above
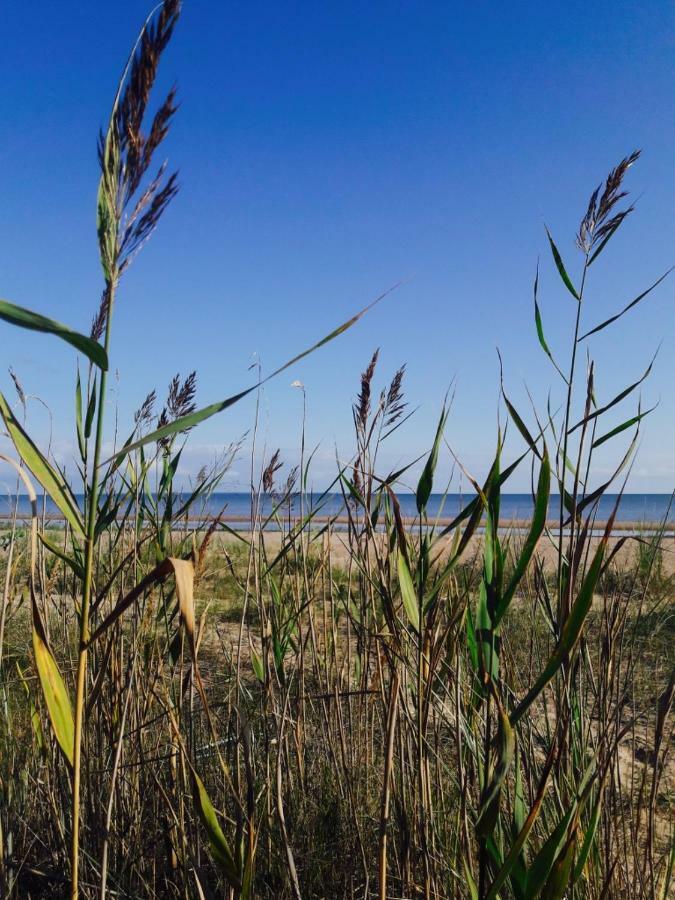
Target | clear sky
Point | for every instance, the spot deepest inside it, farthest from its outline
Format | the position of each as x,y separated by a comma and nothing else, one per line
327,151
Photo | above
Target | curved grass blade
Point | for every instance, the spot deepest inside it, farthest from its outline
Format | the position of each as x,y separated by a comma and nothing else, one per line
36,725
427,478
521,426
183,571
54,690
49,478
626,308
74,564
559,877
543,862
25,318
535,532
506,745
589,838
540,328
78,416
619,397
408,593
624,425
567,281
218,845
200,415
515,415
572,628
516,850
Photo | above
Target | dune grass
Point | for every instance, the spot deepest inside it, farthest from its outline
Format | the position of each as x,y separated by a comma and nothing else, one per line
388,710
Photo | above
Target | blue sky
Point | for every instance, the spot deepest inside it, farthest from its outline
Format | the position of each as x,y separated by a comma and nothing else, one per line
327,151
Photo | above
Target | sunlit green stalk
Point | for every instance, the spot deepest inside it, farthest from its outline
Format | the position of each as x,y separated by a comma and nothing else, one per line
90,542
563,611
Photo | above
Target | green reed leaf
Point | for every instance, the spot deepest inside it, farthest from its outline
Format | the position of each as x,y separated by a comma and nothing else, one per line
540,328
470,881
55,692
542,864
514,856
589,837
79,425
623,427
257,666
521,426
408,593
218,845
619,397
627,307
506,745
557,882
571,629
91,409
186,422
25,318
36,725
567,281
536,529
50,479
426,482
471,640
74,564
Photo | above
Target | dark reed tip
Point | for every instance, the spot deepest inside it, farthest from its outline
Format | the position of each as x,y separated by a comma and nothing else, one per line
598,223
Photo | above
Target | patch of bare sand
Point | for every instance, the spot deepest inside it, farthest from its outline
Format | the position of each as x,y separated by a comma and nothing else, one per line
338,544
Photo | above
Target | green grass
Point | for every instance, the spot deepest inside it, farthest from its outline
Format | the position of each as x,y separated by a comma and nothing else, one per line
395,710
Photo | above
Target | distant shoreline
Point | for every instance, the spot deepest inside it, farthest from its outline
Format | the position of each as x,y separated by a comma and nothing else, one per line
520,525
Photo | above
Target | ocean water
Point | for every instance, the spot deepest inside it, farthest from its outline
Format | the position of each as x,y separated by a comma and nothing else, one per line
638,508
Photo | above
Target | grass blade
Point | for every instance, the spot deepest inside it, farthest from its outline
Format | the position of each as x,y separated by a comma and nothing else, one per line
624,425
218,845
627,307
536,529
189,421
32,321
408,593
540,328
48,477
571,630
567,281
427,478
538,873
619,397
54,690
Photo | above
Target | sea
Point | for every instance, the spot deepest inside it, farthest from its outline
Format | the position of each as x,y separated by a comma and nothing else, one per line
640,509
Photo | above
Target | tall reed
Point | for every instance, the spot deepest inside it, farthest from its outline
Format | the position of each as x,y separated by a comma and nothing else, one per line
343,705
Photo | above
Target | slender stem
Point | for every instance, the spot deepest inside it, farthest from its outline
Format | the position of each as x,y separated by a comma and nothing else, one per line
392,715
90,541
565,587
8,570
113,778
562,613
